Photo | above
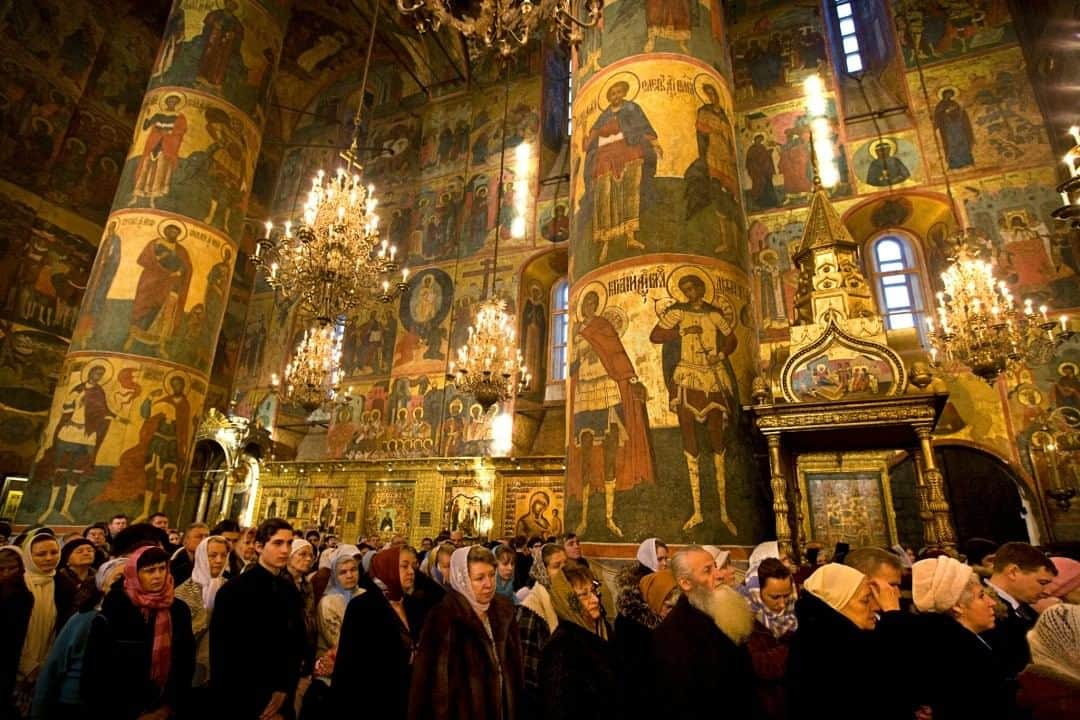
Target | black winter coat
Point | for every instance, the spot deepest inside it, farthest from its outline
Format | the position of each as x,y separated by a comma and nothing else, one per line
120,647
257,642
959,678
579,676
457,668
15,609
692,655
834,668
372,630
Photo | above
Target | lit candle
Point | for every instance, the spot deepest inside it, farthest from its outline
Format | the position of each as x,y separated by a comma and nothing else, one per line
1042,310
1070,162
1065,199
930,325
933,355
1075,132
404,275
1064,323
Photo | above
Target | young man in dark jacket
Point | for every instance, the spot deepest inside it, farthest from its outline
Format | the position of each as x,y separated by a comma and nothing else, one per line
257,633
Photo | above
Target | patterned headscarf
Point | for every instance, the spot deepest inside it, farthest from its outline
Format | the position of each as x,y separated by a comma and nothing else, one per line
386,569
459,579
160,601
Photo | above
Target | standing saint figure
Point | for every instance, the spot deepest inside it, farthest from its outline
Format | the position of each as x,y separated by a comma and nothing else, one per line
668,19
155,465
610,448
161,292
83,423
952,123
161,151
621,151
222,34
886,169
697,341
761,168
534,330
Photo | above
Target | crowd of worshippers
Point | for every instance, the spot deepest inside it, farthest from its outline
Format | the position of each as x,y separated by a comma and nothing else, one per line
137,622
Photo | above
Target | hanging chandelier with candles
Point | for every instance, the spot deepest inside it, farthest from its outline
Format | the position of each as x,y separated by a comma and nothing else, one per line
981,325
489,365
312,375
505,25
334,260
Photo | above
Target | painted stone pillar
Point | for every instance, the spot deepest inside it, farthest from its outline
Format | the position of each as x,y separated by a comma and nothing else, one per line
120,432
663,347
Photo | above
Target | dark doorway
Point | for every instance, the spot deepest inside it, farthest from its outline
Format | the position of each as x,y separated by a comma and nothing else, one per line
982,492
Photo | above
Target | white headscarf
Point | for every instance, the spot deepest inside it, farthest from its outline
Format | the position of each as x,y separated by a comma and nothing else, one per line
459,579
646,554
200,574
1055,640
720,556
42,585
762,552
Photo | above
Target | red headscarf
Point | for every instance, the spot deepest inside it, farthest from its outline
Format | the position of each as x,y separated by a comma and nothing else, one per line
384,568
161,601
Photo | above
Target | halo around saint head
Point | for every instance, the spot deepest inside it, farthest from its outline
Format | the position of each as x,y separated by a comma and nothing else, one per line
167,382
941,92
84,375
169,221
703,79
676,276
632,82
1062,366
179,103
875,144
601,291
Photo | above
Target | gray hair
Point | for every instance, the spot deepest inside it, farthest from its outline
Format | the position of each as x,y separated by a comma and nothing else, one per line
973,586
680,562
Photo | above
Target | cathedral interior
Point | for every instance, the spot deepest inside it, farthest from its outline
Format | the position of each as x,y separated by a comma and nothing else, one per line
722,233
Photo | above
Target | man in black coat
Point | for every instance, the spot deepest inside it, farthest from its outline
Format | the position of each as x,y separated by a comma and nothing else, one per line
700,650
1021,574
257,633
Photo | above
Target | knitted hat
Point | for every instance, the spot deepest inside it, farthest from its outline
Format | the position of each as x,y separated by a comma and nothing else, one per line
937,583
1055,640
656,587
835,584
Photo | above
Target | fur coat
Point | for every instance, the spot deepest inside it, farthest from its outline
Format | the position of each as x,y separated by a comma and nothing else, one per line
458,669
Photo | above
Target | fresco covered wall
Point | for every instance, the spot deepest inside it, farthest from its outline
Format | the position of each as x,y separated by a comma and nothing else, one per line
952,78
72,81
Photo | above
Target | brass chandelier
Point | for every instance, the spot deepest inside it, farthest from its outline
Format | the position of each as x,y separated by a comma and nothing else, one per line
333,261
312,377
489,365
505,25
981,325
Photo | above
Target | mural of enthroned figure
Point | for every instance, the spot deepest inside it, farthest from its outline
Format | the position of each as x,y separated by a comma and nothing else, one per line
610,448
697,339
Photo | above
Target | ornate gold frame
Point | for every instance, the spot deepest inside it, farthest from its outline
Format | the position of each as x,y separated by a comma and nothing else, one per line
876,462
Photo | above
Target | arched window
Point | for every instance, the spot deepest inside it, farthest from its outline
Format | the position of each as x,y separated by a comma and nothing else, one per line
898,283
560,330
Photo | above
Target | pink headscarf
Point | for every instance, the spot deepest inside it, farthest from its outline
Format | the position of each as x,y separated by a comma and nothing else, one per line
1067,580
161,601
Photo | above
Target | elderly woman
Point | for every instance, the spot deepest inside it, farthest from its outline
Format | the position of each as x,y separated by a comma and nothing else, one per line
1050,685
956,609
835,617
77,564
344,585
380,623
58,693
661,592
772,600
578,665
146,643
469,661
198,593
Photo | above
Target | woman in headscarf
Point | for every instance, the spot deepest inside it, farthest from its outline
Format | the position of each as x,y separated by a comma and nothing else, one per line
16,605
536,621
301,557
146,643
1065,587
722,558
378,623
469,661
578,665
836,619
438,564
344,585
58,693
504,576
955,610
635,621
54,602
1050,684
661,592
77,565
772,600
198,592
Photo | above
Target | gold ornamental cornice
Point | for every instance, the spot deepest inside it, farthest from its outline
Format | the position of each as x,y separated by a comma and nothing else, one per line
911,410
